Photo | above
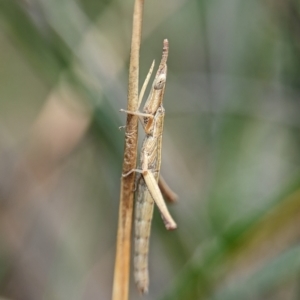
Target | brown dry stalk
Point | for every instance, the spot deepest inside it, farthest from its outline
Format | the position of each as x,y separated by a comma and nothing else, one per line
122,261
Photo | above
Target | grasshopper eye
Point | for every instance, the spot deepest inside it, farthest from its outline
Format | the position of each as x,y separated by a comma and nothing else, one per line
160,82
160,110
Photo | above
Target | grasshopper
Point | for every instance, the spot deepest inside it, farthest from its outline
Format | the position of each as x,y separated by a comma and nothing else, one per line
148,190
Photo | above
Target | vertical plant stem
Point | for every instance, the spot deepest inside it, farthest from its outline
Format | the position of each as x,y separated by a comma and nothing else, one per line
122,261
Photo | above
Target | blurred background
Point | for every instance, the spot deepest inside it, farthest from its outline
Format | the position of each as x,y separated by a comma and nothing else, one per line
230,151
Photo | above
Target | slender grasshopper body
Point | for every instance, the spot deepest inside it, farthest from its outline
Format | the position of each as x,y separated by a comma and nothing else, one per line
148,191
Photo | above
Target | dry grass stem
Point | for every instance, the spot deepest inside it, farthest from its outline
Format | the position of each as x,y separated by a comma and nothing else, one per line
122,261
